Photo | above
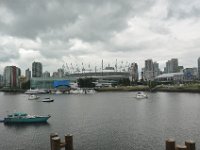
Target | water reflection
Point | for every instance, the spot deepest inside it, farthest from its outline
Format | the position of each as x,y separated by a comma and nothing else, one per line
20,126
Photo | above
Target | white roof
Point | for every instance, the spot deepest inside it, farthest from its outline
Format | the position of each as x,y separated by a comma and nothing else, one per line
168,75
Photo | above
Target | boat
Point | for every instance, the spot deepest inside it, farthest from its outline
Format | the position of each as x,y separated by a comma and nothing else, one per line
47,99
35,91
20,117
141,95
58,92
77,91
33,96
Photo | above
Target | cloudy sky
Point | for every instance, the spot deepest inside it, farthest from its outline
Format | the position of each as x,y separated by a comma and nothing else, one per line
56,32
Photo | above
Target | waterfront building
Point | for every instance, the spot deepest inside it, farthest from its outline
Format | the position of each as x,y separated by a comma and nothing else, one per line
36,69
108,77
46,74
199,67
148,70
28,74
133,72
11,77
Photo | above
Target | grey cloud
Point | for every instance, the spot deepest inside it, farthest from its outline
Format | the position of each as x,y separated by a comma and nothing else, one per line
8,53
95,20
182,9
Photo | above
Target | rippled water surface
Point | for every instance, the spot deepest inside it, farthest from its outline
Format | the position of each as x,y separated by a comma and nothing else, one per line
104,121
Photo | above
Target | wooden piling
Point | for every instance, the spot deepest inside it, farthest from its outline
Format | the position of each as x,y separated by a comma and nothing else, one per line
56,143
181,147
170,144
52,135
69,142
190,145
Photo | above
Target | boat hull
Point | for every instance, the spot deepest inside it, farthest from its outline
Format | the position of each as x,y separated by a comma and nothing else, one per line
26,120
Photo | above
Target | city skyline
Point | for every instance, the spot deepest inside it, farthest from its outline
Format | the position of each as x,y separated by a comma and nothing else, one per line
73,31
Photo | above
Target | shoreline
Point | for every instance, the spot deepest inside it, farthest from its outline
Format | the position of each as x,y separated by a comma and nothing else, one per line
187,89
147,89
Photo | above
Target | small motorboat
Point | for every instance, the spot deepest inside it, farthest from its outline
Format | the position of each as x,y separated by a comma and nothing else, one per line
141,95
47,99
33,96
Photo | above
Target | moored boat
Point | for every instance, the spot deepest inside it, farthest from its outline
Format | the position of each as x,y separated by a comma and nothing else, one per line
33,96
20,117
141,95
35,91
47,99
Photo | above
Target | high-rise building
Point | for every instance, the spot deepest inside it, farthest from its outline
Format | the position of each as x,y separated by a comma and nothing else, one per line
199,67
1,80
46,74
60,73
148,69
28,74
133,72
36,69
11,76
172,66
156,70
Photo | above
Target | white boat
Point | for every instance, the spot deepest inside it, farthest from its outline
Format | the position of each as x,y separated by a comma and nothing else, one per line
76,91
58,92
33,96
35,91
141,95
48,99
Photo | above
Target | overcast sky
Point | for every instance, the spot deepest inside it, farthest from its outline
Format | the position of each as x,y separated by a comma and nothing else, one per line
56,32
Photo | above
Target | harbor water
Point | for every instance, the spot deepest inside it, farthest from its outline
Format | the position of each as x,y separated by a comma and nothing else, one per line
103,121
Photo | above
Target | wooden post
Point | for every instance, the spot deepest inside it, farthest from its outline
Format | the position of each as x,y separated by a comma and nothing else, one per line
69,142
56,143
170,144
190,145
52,135
181,147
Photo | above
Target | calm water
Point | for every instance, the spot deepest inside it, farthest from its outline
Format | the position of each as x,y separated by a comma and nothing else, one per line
104,121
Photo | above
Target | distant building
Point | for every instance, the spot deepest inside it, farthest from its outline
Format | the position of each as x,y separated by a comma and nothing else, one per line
55,75
190,74
133,72
148,70
36,69
1,80
172,66
11,77
28,74
180,68
46,74
156,70
60,72
170,77
199,68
